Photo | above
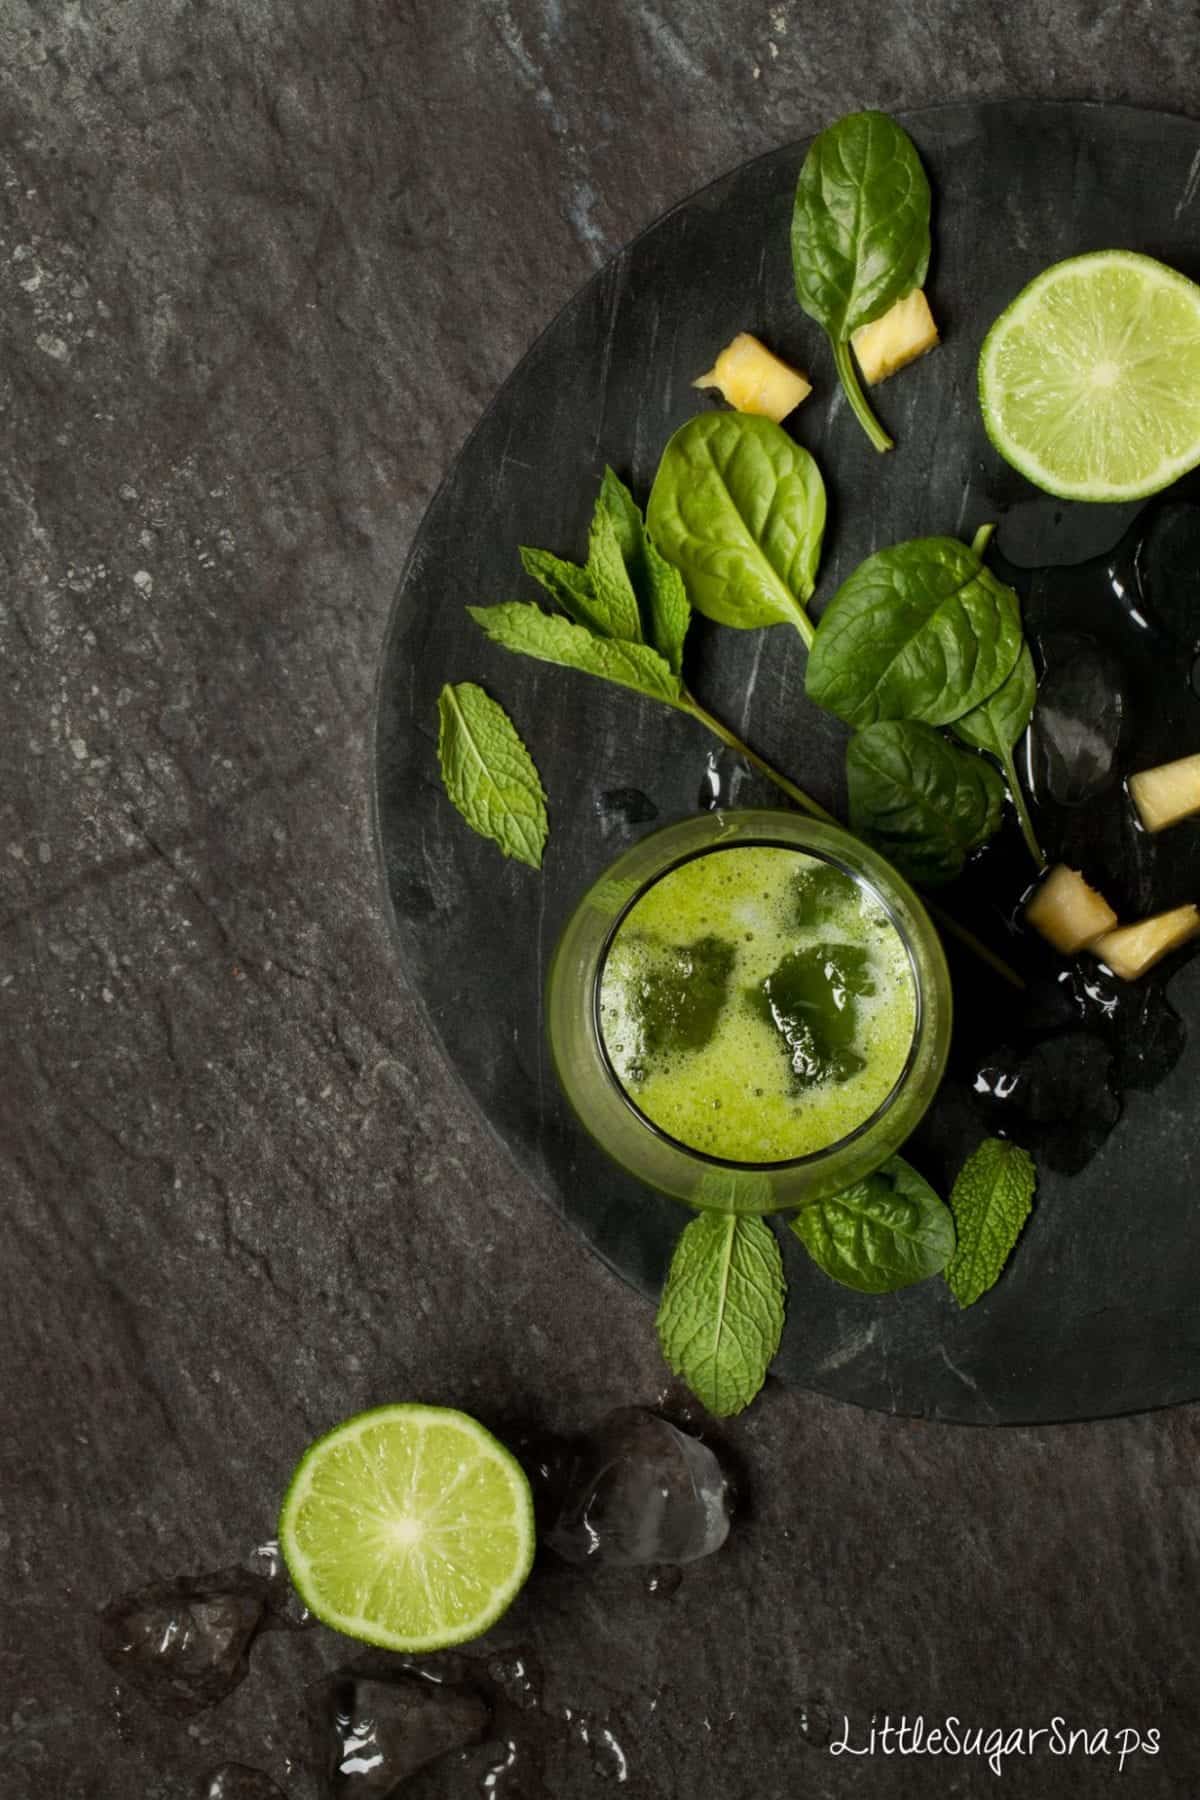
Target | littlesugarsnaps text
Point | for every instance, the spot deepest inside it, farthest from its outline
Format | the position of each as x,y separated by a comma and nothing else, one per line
993,1744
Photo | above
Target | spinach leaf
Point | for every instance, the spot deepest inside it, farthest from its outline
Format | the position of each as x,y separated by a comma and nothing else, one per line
739,508
489,774
721,1315
920,801
860,236
991,1201
528,631
919,631
883,1233
997,725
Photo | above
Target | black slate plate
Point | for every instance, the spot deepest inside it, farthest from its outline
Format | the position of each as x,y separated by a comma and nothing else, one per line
1100,1311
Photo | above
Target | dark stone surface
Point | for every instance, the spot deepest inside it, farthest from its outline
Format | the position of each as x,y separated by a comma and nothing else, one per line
262,268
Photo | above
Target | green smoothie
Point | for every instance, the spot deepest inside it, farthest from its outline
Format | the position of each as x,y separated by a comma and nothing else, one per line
757,1004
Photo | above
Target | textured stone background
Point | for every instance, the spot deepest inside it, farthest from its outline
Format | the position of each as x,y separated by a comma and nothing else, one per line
262,265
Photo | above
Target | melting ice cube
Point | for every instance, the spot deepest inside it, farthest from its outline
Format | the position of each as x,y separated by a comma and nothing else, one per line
185,1643
375,1730
641,1492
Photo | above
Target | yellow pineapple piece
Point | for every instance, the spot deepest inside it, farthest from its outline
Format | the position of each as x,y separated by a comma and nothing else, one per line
754,380
899,337
1068,912
1167,794
1132,949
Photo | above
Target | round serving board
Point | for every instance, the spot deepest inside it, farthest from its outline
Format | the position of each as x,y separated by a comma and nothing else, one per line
1099,1311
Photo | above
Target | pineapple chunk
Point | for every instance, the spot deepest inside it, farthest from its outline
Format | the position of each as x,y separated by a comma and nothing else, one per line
1132,949
753,379
1167,794
899,337
1067,912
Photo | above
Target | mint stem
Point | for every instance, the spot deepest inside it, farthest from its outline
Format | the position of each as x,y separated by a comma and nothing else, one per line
982,539
804,801
1022,808
807,804
848,376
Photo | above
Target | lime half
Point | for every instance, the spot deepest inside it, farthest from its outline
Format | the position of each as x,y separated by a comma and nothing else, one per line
1090,381
409,1527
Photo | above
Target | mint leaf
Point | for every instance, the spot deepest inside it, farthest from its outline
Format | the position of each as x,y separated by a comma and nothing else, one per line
662,597
881,1234
489,774
567,584
615,600
990,1202
667,607
721,1315
529,631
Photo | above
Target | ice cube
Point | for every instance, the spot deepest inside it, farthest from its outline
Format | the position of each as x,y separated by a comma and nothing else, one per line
1080,713
185,1644
619,808
1055,1097
1165,592
235,1781
810,999
285,1609
641,1492
376,1730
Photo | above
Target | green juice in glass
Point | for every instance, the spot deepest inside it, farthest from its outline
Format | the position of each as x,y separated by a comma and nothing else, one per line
757,1004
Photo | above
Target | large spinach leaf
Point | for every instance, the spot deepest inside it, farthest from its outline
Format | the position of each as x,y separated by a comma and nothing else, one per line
920,801
860,236
922,630
740,511
885,1232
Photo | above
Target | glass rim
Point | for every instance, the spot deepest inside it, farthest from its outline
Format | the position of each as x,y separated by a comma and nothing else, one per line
810,1158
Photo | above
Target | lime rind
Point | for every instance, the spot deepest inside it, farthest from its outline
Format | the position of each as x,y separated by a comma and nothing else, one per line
342,1498
1050,368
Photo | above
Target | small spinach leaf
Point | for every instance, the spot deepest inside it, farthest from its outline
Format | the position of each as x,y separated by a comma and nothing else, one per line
739,508
860,236
997,725
998,722
885,1232
920,801
528,631
919,631
489,774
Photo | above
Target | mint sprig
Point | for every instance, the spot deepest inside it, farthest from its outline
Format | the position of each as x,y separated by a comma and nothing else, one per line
721,1314
991,1201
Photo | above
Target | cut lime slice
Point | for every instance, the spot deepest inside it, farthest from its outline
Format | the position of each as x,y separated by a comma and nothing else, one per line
409,1527
1090,381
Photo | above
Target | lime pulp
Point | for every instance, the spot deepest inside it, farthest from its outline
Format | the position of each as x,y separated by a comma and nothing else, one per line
409,1527
1089,382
